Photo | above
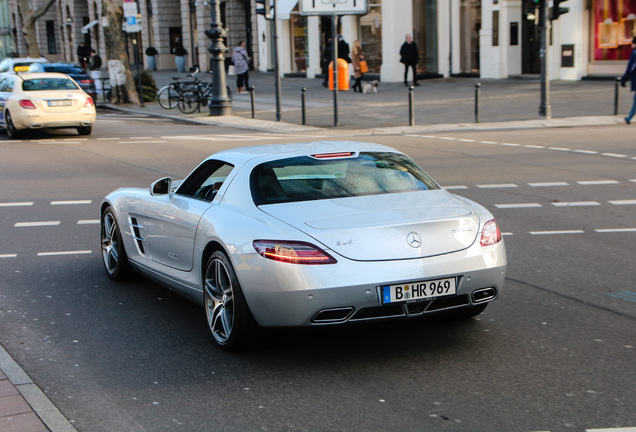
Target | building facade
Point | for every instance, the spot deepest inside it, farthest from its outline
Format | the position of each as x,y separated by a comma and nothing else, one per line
487,38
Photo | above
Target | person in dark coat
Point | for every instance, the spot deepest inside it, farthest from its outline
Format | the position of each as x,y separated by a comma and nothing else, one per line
343,49
327,57
410,56
630,74
83,54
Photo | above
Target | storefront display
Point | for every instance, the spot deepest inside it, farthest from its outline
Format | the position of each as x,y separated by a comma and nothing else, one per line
614,27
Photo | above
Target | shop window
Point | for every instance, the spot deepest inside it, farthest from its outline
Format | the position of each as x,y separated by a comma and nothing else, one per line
299,42
614,26
371,37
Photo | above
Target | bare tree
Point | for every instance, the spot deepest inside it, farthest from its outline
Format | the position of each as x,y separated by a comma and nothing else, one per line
121,81
29,17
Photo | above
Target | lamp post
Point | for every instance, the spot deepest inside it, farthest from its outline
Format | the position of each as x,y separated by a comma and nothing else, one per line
220,103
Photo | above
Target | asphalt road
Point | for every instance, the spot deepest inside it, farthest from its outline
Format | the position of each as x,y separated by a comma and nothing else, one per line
555,353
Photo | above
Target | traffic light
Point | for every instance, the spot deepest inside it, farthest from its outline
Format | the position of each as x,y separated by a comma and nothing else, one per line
264,8
557,10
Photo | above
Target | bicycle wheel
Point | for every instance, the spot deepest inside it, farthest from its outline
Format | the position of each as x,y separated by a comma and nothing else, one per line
189,101
167,97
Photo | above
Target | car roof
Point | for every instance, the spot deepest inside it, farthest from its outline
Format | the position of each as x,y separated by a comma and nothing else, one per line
264,153
40,75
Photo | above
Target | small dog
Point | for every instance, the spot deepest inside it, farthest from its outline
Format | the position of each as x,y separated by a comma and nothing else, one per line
368,87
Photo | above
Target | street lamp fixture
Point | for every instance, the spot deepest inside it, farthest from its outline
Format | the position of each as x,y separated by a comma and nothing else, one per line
220,103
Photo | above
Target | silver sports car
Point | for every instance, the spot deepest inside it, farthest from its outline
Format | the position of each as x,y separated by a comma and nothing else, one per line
306,234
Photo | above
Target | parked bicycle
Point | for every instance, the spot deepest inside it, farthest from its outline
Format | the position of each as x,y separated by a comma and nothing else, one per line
168,96
187,95
192,99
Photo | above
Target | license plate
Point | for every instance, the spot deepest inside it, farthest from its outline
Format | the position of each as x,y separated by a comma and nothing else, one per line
418,290
63,102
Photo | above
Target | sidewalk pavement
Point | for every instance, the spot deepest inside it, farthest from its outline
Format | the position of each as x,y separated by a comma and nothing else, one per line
439,105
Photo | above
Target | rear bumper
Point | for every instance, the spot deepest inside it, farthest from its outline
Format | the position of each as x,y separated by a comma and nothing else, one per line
281,294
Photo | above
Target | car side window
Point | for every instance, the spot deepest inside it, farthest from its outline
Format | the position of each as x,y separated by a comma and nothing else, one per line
6,85
4,66
205,182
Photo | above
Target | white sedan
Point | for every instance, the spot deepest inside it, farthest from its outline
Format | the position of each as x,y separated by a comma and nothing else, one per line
312,234
44,100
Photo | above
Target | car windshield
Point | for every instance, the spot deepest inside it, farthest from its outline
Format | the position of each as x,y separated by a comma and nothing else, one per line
319,177
48,84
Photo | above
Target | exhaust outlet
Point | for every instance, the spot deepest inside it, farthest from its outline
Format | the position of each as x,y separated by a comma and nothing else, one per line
335,315
483,295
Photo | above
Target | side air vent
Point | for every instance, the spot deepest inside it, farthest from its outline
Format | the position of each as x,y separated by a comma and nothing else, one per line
136,229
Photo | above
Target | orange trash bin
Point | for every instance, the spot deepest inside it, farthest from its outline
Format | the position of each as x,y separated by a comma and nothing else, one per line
343,75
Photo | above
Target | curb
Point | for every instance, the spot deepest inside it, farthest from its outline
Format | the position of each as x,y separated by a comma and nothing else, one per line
48,413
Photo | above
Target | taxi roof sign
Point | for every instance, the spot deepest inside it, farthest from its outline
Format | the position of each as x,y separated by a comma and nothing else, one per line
333,7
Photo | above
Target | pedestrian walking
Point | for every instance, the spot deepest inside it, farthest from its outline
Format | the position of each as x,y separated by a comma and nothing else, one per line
94,65
242,66
343,49
410,56
327,58
83,53
356,58
630,74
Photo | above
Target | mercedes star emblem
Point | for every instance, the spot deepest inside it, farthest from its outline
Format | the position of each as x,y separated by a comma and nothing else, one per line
414,240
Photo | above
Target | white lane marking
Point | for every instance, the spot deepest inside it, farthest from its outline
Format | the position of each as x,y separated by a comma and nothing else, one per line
141,142
141,137
467,140
510,145
88,222
615,155
71,202
17,204
36,224
447,138
576,204
108,139
590,152
596,182
519,205
533,146
615,230
557,232
619,429
60,253
562,149
488,142
546,184
623,202
8,255
455,187
502,185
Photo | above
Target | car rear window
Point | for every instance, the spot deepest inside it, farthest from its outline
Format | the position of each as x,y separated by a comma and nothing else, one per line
64,69
308,178
48,84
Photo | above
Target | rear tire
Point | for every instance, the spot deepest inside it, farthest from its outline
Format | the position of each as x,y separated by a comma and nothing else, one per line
85,130
188,102
12,132
167,97
229,318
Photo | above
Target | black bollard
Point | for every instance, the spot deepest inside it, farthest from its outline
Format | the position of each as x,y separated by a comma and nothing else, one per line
411,107
302,102
477,86
252,93
616,83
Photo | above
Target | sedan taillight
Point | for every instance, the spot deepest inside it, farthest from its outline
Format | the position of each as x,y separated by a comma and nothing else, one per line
27,104
89,102
491,234
292,252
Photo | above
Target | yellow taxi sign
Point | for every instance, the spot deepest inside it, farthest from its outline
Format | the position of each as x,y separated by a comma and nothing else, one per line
24,68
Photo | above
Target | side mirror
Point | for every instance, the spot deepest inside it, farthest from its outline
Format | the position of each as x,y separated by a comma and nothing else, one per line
161,187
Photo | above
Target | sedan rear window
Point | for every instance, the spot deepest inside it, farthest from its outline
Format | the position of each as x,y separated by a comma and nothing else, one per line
308,178
48,84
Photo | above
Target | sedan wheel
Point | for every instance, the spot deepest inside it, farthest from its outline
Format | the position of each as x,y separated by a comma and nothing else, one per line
84,130
12,132
113,252
229,317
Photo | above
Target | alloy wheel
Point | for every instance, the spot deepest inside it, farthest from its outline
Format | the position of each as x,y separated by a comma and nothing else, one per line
219,300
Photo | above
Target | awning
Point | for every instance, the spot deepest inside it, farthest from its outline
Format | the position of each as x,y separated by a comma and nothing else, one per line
89,25
284,7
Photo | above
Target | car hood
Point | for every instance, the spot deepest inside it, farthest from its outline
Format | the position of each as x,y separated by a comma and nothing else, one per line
385,227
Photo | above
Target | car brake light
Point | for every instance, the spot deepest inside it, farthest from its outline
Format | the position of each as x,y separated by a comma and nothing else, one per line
87,81
26,103
89,102
491,234
333,155
292,252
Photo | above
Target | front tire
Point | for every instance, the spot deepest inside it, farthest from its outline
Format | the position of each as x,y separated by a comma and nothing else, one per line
113,252
229,318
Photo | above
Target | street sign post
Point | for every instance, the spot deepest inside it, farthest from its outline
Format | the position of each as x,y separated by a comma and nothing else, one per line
334,8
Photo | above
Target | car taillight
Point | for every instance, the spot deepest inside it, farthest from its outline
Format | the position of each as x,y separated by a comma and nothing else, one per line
87,81
89,102
292,252
26,103
491,234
